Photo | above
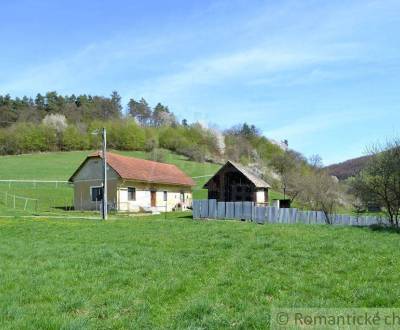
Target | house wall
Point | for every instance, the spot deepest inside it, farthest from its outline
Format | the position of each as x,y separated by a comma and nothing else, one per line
91,175
143,196
260,196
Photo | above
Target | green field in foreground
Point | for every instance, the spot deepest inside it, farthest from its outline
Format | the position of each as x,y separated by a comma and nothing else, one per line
149,273
60,166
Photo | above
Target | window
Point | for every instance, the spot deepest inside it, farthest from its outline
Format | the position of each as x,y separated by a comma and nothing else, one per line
165,196
182,197
131,194
97,194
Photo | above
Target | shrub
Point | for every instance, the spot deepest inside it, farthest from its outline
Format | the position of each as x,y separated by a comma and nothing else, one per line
173,139
73,139
158,155
23,138
123,135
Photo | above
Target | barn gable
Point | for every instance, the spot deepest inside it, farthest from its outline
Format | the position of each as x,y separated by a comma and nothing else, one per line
233,182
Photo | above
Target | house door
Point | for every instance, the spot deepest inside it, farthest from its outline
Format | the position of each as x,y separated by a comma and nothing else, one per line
153,198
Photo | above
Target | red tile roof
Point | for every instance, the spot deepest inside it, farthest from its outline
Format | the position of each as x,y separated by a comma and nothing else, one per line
130,168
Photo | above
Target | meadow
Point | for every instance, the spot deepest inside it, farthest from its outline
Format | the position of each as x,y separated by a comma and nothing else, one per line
177,273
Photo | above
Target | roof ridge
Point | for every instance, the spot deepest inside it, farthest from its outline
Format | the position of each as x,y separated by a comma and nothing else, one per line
133,168
100,153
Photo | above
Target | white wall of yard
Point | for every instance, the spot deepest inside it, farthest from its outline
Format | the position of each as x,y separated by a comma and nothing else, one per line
143,197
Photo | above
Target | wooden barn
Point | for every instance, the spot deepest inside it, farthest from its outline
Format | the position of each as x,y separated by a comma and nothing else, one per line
234,183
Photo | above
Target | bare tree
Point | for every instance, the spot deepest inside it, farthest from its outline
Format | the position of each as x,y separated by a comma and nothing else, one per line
322,193
315,161
379,182
290,172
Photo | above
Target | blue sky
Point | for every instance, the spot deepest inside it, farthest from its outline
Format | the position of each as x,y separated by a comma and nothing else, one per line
323,74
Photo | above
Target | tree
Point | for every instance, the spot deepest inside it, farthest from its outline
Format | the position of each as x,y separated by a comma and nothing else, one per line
315,161
321,192
56,121
141,111
379,182
162,116
285,166
116,103
40,101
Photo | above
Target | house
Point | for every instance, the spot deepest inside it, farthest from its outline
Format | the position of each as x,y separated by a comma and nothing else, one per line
134,185
233,183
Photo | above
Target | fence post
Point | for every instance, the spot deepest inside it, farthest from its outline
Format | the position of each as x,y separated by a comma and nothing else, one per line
14,201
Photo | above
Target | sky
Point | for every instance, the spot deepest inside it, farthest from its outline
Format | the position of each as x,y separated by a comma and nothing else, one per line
325,75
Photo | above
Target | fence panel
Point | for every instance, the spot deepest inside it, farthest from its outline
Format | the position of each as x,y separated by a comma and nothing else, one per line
247,211
260,214
272,214
204,209
221,210
312,217
292,215
230,210
283,215
238,210
212,208
345,219
372,220
320,218
300,217
196,209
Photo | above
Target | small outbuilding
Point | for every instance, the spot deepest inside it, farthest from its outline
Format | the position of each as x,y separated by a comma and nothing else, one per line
234,183
134,185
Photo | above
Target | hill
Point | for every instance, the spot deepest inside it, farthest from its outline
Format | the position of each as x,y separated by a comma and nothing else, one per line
348,168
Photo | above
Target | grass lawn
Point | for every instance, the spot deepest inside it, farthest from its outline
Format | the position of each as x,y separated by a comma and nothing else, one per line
178,273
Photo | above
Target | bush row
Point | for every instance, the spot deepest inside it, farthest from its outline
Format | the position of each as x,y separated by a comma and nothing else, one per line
192,141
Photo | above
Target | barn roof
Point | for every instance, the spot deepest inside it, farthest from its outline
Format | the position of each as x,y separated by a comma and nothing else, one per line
130,168
257,181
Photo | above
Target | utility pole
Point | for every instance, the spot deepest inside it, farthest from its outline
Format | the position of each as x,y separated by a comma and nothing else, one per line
104,213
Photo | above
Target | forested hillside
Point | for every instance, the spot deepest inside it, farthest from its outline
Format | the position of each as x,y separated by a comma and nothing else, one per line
53,122
348,168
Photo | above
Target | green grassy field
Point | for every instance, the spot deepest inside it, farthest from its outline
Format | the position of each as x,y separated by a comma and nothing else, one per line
60,166
151,273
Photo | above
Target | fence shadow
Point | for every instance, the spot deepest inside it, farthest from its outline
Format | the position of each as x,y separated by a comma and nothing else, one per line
384,229
64,208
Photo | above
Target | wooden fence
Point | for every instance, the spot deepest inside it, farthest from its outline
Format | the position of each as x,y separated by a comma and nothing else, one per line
211,209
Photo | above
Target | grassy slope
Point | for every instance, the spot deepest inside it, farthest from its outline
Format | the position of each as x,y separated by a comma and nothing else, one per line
61,165
180,273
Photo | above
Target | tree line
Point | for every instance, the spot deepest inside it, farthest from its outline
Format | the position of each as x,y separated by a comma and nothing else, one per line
80,109
52,122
